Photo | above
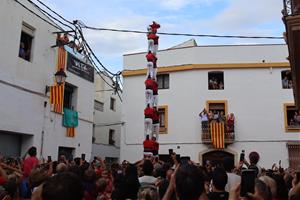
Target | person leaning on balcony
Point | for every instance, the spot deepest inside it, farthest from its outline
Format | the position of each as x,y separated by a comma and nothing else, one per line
222,117
204,119
230,123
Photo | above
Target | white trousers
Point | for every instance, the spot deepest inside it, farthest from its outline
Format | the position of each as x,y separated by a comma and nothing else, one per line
155,130
154,73
149,96
148,127
150,45
150,69
154,100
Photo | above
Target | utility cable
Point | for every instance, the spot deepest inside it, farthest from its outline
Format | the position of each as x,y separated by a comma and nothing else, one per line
185,34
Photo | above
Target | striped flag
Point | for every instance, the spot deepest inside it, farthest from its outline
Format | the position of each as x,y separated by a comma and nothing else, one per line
71,132
61,58
217,132
57,97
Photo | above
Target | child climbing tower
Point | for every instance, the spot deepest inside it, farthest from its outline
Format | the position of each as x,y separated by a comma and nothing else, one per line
151,130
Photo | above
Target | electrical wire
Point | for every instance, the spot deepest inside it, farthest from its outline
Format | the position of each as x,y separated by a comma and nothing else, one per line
185,34
54,25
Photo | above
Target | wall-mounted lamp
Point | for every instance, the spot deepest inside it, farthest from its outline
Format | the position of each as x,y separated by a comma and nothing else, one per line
60,78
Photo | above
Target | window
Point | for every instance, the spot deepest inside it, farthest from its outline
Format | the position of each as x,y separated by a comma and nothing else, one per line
69,96
98,105
25,48
292,118
112,104
163,119
163,81
217,109
111,140
286,79
294,152
216,80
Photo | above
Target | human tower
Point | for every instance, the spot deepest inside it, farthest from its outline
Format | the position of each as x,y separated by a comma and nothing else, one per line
151,131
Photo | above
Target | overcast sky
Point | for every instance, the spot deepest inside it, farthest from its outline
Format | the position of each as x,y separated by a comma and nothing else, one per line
234,17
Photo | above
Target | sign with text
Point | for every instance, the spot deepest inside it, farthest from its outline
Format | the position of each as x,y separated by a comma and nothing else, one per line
80,68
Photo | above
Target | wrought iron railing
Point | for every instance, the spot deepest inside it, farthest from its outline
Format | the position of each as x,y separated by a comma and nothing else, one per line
229,134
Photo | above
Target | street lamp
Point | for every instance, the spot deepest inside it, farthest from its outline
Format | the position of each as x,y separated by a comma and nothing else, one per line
60,77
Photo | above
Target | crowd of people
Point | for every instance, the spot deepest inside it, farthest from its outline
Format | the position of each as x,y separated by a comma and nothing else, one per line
147,179
295,120
215,84
216,117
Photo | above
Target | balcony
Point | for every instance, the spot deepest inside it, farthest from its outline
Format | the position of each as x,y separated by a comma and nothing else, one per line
291,19
219,129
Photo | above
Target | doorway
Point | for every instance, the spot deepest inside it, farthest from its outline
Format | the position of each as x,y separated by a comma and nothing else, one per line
216,156
67,152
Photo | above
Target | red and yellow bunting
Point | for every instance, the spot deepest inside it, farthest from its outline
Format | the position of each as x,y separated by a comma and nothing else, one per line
217,132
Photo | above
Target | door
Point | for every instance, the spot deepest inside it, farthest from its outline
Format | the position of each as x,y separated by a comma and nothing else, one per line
67,152
216,156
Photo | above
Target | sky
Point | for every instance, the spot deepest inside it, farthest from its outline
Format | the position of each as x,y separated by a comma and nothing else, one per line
221,17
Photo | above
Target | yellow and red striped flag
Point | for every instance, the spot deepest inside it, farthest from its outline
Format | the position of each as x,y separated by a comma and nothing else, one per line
61,58
57,97
217,132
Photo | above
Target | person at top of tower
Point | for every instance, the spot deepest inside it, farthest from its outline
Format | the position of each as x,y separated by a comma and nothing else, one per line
149,90
150,57
154,26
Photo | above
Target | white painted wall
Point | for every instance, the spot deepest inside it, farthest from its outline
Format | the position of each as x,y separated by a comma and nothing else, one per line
23,112
210,55
255,96
105,120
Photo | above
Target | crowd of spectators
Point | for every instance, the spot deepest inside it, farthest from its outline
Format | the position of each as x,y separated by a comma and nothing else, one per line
147,179
215,84
214,116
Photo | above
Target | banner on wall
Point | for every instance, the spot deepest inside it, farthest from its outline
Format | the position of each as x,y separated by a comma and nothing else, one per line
80,68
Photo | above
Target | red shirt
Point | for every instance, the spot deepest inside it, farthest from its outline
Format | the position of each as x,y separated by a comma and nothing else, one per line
155,87
2,180
148,144
155,145
149,84
150,57
29,164
151,36
155,116
148,112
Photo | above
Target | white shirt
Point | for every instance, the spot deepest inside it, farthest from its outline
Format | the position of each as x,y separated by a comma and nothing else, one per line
147,180
233,180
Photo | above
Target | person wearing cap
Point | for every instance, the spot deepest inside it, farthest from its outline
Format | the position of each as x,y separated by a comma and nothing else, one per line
148,112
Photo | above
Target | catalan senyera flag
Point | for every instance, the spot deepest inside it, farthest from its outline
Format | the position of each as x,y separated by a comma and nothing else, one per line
70,132
57,97
61,58
217,132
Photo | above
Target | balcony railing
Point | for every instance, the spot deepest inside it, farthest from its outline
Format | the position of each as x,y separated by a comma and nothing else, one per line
291,7
228,133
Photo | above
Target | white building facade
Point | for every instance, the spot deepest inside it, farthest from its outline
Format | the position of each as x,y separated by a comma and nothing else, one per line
252,79
107,120
26,117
